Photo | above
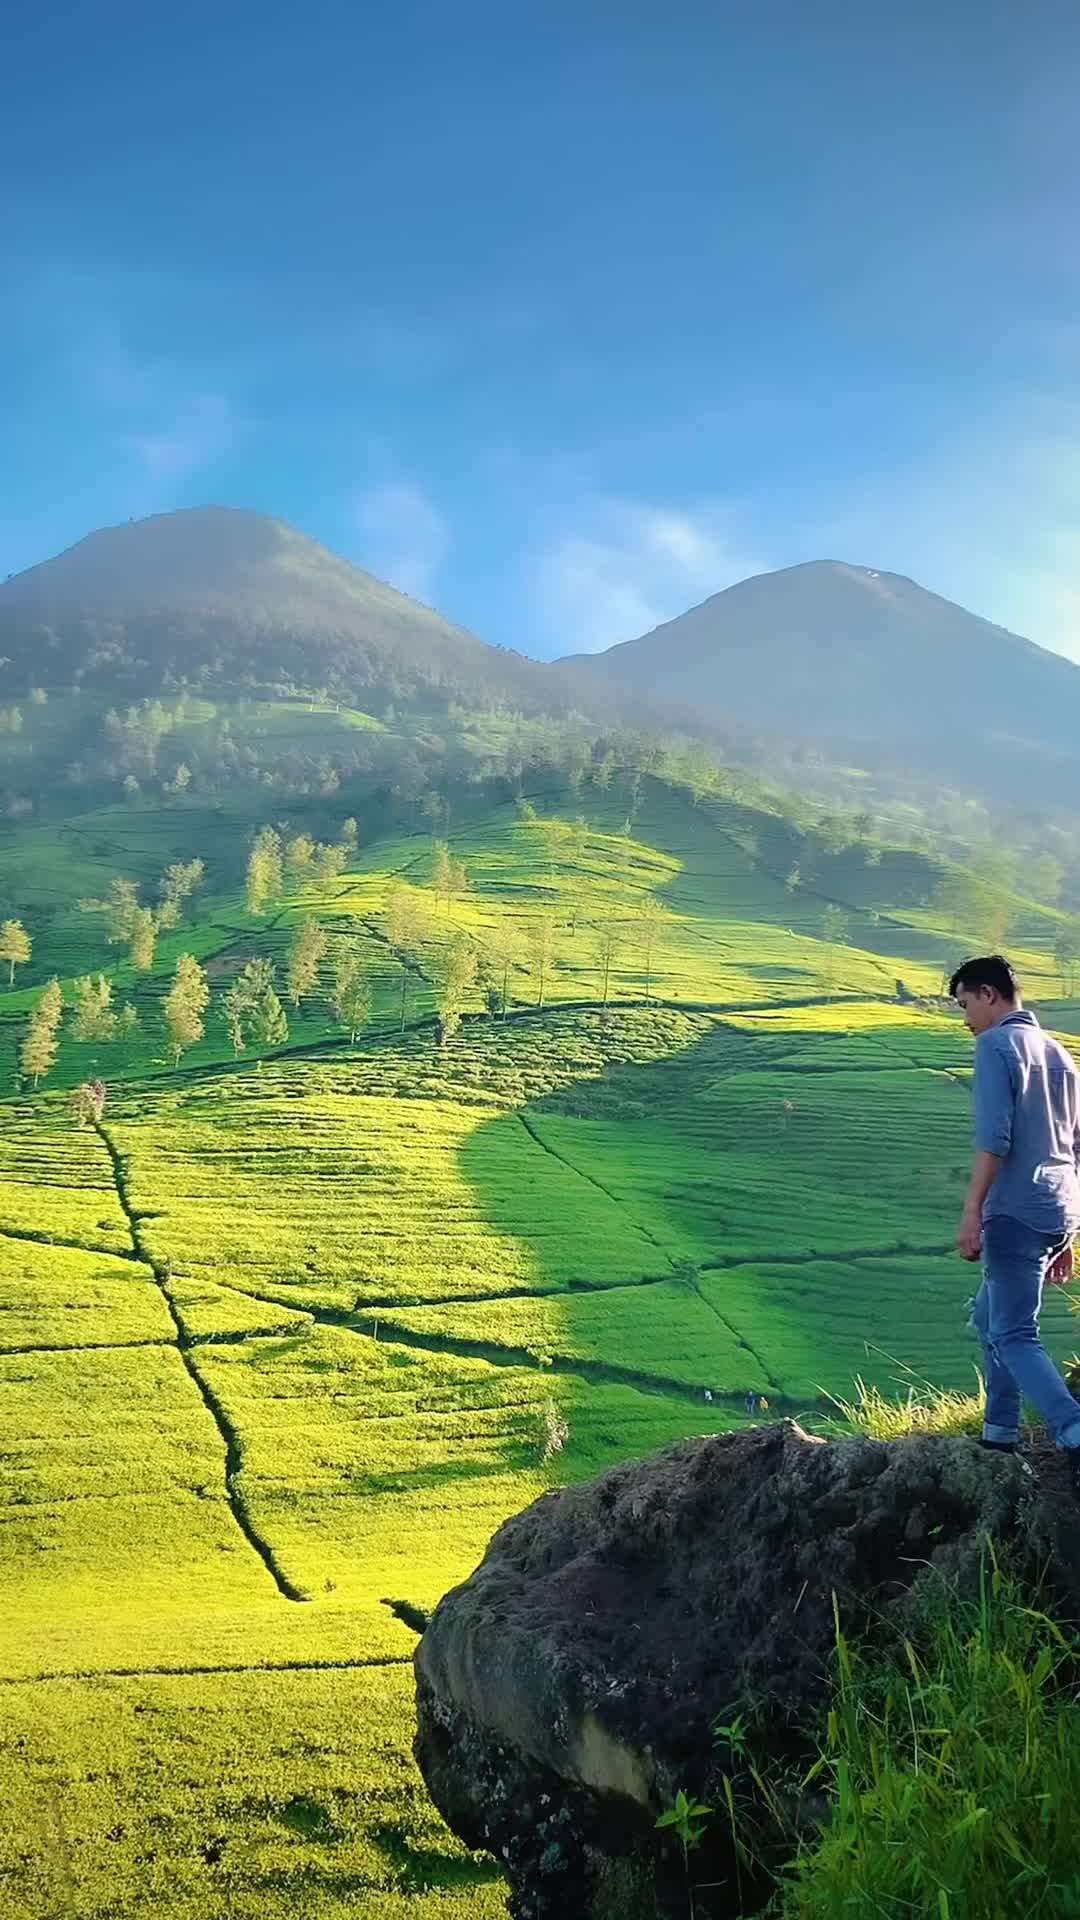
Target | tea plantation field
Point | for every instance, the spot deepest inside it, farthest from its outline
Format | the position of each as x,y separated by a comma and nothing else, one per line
283,1341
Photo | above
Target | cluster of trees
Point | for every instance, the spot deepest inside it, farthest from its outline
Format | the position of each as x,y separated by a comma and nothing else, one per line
276,864
250,1006
94,1018
132,924
486,957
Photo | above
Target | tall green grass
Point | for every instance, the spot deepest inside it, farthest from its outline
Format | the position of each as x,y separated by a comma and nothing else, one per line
953,1768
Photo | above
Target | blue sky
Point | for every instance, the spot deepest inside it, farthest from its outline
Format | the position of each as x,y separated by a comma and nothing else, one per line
560,316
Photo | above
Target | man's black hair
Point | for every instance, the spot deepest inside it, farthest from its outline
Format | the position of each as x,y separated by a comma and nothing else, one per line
990,970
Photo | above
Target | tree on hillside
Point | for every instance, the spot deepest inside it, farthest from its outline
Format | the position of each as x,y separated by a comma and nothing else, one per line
350,835
441,872
329,862
554,835
503,949
184,1006
299,857
305,957
94,1017
1067,956
87,1103
252,1009
459,881
351,997
541,939
176,885
142,940
119,908
406,922
608,948
264,870
39,1048
269,1027
651,922
127,1024
14,946
235,1006
457,980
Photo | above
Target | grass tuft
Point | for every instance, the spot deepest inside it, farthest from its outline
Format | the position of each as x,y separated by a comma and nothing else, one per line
953,1769
920,1408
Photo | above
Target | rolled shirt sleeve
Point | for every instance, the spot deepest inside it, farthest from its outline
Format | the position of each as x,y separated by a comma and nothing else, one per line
993,1095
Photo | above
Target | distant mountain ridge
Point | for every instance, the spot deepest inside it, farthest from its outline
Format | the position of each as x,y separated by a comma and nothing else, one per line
226,596
852,656
864,665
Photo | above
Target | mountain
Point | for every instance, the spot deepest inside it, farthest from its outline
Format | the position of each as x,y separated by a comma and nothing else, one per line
852,658
222,597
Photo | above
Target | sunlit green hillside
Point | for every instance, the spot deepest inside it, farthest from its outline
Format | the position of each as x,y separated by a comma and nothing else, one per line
286,1332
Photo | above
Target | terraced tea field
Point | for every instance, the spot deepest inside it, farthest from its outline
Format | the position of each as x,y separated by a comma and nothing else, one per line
283,1341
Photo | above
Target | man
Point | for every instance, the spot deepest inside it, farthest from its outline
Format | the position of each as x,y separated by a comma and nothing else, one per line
1023,1200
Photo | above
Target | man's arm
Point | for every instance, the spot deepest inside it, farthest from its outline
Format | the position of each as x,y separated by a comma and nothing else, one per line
984,1172
993,1094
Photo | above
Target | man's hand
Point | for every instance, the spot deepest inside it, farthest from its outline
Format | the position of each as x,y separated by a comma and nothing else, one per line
1060,1270
969,1235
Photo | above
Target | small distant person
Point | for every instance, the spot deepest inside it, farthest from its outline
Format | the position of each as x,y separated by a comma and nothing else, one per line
1023,1201
751,1400
763,1405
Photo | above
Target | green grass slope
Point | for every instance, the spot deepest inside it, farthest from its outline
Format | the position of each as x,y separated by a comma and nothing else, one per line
285,1339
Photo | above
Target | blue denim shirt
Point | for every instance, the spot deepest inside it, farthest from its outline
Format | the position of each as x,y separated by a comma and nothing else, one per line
1027,1110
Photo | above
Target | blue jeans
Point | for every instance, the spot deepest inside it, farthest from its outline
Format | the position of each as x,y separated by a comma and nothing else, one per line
1005,1315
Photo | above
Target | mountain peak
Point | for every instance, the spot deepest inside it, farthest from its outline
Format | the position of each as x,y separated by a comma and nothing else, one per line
854,657
188,555
225,596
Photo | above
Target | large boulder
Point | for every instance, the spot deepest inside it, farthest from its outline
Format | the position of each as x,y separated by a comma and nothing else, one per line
572,1686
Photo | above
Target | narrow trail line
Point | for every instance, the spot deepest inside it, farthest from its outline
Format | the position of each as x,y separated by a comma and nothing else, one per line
27,1235
740,1339
646,1232
573,1292
196,1672
227,1432
601,1371
895,1251
102,1346
375,1308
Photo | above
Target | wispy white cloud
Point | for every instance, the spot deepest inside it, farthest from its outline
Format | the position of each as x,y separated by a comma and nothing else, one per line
631,565
404,537
190,432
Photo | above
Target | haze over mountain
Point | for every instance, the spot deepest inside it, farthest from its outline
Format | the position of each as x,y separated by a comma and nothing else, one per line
221,596
852,657
861,664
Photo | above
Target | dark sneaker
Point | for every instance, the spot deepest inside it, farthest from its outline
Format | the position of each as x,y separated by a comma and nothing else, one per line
999,1446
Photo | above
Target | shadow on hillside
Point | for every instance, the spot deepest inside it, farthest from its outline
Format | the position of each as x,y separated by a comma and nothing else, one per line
718,874
729,1154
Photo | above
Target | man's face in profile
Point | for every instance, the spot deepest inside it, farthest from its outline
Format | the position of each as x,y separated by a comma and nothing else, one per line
979,1006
